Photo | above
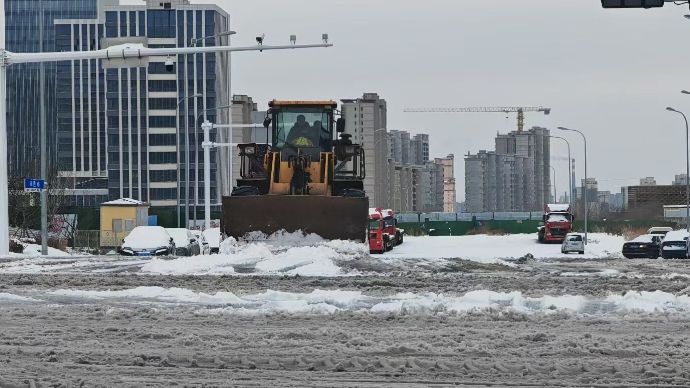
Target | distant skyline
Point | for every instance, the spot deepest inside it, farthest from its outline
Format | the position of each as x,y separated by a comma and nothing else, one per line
609,73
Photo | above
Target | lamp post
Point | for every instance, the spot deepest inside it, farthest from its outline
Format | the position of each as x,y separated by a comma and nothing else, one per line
570,170
555,192
687,166
123,55
584,195
196,155
177,122
193,43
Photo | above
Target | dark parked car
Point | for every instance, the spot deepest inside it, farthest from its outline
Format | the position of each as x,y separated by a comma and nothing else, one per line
675,245
643,247
185,242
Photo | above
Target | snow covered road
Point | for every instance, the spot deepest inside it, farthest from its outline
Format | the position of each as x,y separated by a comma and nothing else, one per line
433,312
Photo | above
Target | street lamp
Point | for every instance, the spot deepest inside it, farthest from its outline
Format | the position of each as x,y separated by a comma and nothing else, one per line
177,122
570,175
555,192
193,43
196,155
584,196
687,171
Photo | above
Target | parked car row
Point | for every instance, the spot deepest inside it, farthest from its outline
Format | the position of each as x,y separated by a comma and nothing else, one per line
148,241
659,242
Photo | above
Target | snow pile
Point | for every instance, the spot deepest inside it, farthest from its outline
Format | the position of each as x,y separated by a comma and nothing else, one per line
4,297
34,250
334,301
156,293
281,253
650,301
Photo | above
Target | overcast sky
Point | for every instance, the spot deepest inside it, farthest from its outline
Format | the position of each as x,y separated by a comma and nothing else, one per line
609,73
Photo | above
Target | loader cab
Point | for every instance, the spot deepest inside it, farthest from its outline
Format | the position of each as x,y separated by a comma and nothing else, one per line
304,126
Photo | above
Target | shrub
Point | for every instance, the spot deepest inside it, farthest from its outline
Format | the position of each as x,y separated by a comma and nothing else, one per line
487,231
16,246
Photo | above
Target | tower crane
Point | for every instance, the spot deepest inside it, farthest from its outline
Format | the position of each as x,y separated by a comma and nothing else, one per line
520,111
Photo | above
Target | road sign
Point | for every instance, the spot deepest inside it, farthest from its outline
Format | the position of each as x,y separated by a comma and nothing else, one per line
34,185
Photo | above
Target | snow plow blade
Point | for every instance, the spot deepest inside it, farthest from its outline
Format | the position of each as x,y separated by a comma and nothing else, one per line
332,218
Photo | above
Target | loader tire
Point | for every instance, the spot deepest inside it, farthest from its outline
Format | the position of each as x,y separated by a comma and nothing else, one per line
245,191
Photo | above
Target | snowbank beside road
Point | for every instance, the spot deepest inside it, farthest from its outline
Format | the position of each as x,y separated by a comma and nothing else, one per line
34,250
283,253
490,249
333,301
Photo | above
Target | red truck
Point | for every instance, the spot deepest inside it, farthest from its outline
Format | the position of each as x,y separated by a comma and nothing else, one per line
379,241
383,234
558,222
390,226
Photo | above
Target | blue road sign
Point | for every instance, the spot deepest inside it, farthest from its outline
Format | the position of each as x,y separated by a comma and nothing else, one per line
34,185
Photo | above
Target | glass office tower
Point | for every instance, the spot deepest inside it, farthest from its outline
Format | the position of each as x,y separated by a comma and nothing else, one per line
119,125
23,34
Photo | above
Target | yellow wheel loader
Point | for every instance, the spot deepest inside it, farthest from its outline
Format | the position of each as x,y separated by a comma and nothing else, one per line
309,178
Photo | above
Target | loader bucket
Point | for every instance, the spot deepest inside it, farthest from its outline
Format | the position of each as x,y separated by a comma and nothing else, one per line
332,218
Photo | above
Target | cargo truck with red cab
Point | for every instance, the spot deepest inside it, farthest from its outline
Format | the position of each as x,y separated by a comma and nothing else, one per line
383,233
558,222
379,241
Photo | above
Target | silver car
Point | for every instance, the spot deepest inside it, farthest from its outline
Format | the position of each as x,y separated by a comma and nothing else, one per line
573,242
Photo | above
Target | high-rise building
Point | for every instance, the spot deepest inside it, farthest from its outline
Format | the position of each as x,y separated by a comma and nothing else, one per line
591,188
648,181
681,179
515,177
476,176
421,146
449,195
121,123
25,33
366,121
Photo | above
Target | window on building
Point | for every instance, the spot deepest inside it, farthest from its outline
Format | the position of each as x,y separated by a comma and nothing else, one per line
117,226
129,225
163,103
162,157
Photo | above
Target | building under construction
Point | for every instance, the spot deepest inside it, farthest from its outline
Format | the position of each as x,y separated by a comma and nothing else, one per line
649,201
514,177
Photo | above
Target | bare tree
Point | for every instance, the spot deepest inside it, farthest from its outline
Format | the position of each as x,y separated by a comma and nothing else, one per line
25,208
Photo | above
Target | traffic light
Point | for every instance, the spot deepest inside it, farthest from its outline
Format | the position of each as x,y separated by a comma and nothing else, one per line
632,3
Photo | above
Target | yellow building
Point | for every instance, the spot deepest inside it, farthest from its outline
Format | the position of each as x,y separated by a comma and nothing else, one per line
119,217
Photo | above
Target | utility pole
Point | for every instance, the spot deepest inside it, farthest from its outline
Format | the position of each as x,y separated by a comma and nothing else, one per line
44,151
4,191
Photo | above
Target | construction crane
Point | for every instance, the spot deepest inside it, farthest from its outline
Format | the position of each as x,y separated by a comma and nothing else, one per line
520,111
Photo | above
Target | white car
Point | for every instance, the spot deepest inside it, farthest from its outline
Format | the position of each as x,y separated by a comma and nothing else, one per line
573,242
147,241
201,239
660,230
213,237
